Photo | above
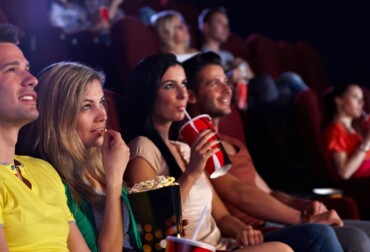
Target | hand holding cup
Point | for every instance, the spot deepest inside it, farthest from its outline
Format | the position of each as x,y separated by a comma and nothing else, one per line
200,133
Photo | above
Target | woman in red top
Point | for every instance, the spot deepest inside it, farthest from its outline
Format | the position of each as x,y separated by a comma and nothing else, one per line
346,149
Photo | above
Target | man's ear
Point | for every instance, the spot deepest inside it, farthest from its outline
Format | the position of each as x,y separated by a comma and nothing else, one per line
192,97
205,28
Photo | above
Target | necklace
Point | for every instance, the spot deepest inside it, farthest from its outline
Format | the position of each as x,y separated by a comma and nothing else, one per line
16,166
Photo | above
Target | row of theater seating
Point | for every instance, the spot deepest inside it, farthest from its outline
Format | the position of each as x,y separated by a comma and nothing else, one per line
132,41
231,125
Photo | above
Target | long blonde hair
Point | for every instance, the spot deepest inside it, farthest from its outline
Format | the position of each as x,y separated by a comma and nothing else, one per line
163,24
53,136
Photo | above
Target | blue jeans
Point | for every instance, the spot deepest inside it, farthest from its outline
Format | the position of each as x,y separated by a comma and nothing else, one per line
264,89
307,238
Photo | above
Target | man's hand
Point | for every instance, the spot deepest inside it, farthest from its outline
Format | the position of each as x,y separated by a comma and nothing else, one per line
315,207
329,217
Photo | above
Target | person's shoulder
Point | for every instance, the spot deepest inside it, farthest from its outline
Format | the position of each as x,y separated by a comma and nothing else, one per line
334,127
143,146
37,165
33,162
229,139
140,141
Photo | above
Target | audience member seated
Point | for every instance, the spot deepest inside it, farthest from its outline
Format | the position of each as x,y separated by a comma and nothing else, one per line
242,188
90,159
71,16
173,34
34,215
157,98
214,25
346,150
74,16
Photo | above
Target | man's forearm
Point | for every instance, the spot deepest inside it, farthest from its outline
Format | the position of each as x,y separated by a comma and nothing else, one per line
289,200
255,202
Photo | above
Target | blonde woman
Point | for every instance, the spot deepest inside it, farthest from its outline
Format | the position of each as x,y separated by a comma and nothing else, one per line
173,34
69,133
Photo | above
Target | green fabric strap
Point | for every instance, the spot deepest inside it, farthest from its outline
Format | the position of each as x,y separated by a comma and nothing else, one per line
85,220
133,232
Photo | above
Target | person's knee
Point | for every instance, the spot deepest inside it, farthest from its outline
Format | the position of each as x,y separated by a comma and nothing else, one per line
281,247
263,89
291,82
353,239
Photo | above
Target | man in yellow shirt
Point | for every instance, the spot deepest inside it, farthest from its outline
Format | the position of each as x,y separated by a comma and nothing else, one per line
33,210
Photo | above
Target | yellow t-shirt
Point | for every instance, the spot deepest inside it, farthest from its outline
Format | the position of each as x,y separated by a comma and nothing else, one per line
35,219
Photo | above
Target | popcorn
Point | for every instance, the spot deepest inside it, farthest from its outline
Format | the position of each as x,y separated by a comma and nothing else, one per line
102,133
158,182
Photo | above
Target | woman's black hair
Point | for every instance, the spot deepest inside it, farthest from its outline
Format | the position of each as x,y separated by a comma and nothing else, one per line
140,97
330,107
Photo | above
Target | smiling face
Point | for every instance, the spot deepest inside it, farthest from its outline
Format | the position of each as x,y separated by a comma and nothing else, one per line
17,95
92,118
213,94
172,96
351,103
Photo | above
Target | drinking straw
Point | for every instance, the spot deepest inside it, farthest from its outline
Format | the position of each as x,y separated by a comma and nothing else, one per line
191,121
187,115
363,113
202,215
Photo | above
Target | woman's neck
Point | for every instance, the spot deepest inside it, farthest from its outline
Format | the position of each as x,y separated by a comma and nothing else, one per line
179,49
344,120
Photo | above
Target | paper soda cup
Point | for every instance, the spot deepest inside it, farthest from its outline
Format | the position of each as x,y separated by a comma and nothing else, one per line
219,163
174,244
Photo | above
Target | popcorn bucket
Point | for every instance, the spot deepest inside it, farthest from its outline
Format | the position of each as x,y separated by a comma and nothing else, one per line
156,212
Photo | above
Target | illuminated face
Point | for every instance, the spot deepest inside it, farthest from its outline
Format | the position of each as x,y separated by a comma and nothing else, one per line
351,102
181,32
214,93
218,27
93,116
17,95
172,96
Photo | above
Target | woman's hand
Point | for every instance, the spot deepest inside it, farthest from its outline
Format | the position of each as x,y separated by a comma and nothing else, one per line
116,155
201,150
314,207
249,236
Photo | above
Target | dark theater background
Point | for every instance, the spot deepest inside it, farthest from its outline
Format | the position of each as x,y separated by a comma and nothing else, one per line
338,30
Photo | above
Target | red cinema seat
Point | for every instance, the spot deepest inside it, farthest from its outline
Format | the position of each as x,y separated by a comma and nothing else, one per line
312,66
232,124
115,103
237,46
3,18
131,42
264,55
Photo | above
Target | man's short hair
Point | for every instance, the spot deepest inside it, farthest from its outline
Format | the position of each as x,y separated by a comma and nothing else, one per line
206,15
9,34
195,64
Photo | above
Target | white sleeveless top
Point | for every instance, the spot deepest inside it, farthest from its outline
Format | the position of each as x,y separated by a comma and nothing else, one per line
200,195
